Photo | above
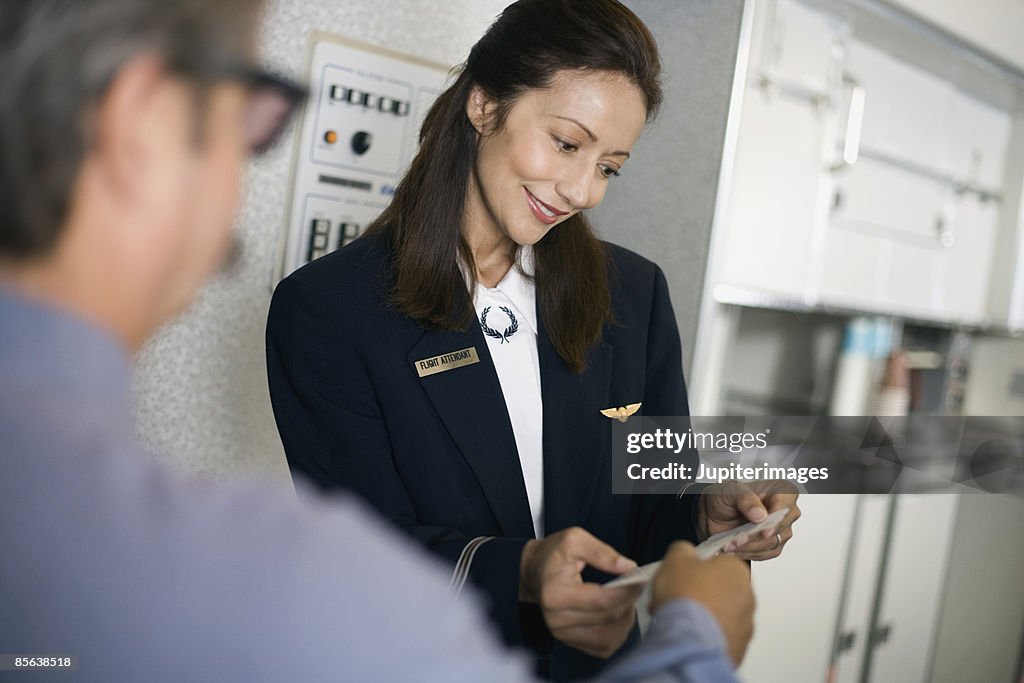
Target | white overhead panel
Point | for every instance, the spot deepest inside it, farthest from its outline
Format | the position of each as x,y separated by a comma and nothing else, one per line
358,133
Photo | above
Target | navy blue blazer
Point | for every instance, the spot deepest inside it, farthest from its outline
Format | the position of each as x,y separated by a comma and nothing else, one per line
436,455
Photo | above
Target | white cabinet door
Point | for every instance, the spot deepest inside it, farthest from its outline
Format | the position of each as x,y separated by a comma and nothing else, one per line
907,111
886,201
893,233
904,245
853,265
902,238
1006,290
865,556
908,287
882,243
794,43
771,214
975,144
913,586
798,595
964,269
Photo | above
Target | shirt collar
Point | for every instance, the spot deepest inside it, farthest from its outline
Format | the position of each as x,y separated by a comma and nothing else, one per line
518,285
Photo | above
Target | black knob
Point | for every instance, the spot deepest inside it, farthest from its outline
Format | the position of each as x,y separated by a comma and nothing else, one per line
361,142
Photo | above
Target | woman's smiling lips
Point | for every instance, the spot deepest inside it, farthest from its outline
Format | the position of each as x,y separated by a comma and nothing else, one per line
545,213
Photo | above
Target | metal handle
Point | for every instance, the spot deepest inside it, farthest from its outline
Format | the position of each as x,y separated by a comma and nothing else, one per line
943,225
880,634
854,123
771,83
846,641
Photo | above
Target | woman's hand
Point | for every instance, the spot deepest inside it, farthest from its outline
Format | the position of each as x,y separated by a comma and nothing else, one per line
731,503
585,616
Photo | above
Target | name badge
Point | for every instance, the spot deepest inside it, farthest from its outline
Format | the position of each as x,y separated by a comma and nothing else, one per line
446,361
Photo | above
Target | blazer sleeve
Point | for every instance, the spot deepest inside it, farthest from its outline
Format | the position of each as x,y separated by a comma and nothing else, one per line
334,434
658,520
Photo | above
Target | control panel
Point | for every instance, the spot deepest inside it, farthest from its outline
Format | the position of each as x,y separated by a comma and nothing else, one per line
357,134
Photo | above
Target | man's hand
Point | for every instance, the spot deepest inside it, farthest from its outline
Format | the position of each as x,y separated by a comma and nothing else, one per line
585,616
721,584
730,504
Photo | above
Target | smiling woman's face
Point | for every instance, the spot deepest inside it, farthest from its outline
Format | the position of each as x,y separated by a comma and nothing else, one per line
555,155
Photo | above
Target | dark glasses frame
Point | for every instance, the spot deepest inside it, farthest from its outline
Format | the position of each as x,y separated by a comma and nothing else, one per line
273,99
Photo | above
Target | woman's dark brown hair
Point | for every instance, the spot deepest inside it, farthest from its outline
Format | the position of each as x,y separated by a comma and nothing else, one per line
524,49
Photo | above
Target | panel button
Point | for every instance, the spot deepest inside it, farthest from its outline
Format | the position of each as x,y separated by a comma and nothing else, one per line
361,142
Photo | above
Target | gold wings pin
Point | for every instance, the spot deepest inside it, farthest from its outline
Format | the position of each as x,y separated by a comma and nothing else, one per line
622,413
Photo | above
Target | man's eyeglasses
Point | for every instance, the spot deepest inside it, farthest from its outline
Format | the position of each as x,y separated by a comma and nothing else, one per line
273,100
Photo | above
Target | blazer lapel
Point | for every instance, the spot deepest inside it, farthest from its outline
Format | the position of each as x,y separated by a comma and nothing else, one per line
577,438
470,403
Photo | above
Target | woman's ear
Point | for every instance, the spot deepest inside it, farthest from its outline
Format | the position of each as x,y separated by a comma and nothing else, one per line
479,109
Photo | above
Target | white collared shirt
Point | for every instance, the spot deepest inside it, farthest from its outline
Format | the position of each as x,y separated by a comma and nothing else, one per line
507,314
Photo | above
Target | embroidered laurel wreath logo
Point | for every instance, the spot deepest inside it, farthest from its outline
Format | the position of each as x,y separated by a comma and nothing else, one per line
491,332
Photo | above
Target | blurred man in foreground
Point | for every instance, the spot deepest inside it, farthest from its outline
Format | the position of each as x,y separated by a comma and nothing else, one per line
124,126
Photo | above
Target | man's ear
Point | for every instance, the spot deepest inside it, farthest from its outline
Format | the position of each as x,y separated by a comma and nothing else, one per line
122,132
480,109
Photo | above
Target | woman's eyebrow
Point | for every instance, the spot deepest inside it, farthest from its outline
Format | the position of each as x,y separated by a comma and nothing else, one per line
589,133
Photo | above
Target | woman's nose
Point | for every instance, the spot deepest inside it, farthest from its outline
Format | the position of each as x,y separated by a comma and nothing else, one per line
575,187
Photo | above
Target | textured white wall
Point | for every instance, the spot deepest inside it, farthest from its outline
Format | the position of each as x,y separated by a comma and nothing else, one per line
201,390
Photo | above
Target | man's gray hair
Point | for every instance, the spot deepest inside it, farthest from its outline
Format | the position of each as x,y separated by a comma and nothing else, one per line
57,58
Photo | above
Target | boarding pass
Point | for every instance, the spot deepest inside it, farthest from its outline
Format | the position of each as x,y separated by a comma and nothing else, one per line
721,542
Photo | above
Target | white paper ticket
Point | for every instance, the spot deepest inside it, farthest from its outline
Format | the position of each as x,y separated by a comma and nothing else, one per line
721,542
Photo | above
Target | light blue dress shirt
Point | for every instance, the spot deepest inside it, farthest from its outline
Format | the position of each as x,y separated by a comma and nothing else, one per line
147,576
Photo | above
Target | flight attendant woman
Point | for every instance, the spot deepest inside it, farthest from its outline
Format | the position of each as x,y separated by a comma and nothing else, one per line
451,365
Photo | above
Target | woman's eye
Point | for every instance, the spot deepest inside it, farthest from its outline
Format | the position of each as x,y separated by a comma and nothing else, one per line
564,146
609,172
